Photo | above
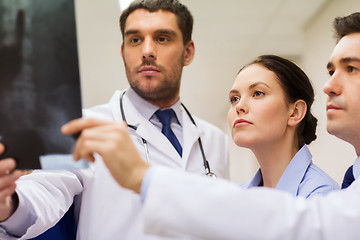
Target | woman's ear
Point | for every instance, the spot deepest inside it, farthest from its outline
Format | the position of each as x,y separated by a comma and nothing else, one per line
298,112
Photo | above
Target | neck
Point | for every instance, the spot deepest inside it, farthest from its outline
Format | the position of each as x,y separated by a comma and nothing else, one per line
357,150
273,159
160,99
163,103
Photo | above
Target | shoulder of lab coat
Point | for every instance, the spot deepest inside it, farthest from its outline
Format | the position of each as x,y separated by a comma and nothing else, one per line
182,204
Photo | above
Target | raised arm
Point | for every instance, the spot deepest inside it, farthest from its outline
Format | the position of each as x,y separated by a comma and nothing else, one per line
8,176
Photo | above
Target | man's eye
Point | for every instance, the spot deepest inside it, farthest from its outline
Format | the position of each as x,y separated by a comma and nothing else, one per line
134,40
163,39
331,72
351,69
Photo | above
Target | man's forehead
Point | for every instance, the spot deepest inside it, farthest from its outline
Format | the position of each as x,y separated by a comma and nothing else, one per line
144,18
347,47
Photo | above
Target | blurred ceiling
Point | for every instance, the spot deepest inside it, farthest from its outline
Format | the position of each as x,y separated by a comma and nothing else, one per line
260,25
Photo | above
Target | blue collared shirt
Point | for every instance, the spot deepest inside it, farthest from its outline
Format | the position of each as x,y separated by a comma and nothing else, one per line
301,177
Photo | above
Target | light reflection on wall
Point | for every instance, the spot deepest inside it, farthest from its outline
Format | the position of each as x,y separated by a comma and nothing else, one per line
124,4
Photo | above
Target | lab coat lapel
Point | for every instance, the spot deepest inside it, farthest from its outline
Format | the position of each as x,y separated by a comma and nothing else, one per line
159,146
191,134
158,142
161,150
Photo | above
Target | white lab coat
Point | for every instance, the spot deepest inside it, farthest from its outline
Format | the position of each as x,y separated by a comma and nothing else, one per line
108,211
180,204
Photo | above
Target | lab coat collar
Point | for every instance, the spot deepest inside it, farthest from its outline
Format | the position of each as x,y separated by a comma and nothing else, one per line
151,134
293,174
142,106
137,116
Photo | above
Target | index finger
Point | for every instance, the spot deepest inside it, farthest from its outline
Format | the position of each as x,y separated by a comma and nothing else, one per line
80,124
2,148
7,165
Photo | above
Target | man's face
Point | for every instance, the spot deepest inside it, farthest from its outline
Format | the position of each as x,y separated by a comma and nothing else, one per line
154,55
343,90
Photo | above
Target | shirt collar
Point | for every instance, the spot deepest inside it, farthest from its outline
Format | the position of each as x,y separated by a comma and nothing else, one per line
293,174
147,109
256,180
356,168
295,171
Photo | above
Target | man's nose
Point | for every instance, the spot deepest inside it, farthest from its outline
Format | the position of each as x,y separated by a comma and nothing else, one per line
333,85
149,50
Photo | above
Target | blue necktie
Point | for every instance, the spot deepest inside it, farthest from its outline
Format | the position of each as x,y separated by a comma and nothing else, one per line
165,117
348,178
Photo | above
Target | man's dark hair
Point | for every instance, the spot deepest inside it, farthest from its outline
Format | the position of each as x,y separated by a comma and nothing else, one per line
346,25
183,15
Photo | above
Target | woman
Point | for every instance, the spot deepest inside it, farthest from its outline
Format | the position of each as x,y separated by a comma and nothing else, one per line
270,114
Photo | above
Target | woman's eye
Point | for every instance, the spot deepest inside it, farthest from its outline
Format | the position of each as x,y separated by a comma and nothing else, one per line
234,100
258,94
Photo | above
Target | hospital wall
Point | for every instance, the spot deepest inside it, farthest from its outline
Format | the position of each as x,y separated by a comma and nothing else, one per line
206,82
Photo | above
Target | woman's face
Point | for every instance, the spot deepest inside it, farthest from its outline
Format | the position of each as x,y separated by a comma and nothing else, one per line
259,112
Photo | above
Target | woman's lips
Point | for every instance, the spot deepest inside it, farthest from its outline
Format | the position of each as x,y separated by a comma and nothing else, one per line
241,122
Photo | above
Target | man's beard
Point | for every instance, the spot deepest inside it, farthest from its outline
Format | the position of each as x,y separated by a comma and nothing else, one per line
163,91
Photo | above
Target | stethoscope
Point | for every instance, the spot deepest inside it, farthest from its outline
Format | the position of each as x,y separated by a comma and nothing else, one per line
206,163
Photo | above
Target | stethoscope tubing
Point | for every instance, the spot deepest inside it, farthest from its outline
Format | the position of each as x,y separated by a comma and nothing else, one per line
205,162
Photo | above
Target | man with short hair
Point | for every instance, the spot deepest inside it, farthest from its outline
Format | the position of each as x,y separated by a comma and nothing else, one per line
156,46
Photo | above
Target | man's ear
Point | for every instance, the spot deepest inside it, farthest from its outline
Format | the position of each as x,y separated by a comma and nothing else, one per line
189,52
298,112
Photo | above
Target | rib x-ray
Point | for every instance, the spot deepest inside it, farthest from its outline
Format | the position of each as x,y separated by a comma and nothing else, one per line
39,79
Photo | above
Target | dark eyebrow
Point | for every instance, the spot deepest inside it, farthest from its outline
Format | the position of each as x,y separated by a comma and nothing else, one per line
130,31
329,65
160,31
350,59
234,91
166,31
344,60
258,83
